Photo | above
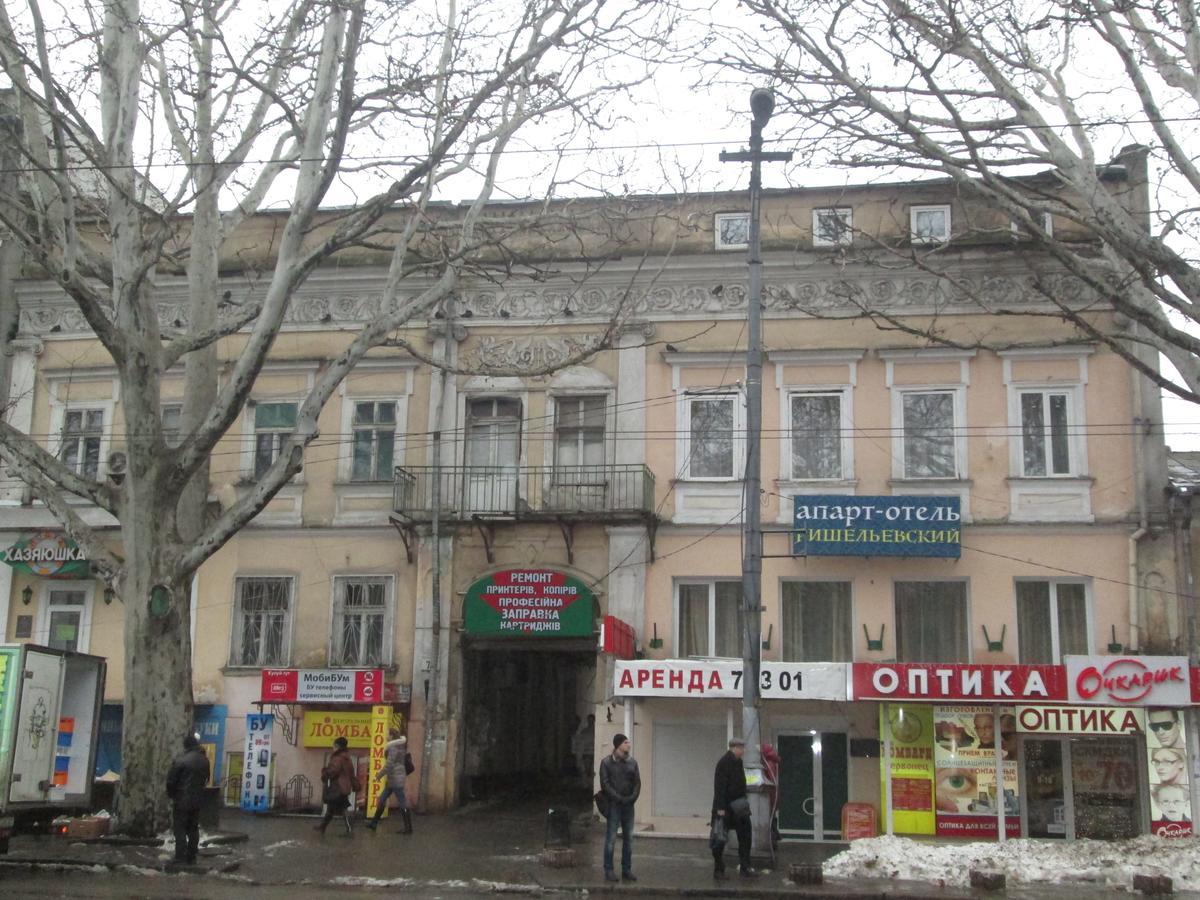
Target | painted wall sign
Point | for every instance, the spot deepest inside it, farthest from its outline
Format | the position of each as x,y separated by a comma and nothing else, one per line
833,525
322,686
256,768
957,681
692,678
530,603
48,554
1128,680
1079,720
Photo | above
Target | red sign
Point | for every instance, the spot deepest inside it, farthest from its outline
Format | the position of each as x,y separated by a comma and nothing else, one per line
617,637
322,686
912,794
1129,680
858,821
975,826
955,681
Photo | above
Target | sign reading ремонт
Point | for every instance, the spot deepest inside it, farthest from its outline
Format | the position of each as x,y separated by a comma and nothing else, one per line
529,603
839,525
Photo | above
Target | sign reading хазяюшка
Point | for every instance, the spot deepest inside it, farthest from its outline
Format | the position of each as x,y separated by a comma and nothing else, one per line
839,525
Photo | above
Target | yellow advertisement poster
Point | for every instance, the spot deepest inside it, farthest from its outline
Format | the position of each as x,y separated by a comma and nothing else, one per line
910,766
322,726
381,718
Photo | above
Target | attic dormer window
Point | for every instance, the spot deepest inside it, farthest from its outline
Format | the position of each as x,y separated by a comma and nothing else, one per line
732,231
929,224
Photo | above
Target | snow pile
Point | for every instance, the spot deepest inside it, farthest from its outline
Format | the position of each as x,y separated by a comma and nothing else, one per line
1107,863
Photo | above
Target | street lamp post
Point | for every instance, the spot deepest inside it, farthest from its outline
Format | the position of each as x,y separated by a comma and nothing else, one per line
762,104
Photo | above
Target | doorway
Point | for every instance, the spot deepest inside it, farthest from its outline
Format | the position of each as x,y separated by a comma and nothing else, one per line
1085,787
813,784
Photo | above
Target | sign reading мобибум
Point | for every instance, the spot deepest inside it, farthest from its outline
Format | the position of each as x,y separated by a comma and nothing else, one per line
837,525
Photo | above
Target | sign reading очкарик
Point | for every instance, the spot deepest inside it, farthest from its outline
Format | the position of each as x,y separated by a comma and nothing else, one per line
530,603
837,525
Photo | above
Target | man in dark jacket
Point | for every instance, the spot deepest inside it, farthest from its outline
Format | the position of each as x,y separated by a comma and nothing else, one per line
729,785
185,786
622,783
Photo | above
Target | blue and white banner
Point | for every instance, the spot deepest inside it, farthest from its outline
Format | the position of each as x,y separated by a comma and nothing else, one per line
256,769
838,525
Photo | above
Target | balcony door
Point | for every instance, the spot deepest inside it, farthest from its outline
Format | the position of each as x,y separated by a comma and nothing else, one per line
493,454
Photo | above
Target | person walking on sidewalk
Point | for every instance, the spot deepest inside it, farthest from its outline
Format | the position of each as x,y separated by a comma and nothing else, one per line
731,805
185,786
340,782
397,766
621,782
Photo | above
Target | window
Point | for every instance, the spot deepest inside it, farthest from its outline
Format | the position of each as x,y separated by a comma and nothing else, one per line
172,423
261,623
374,428
816,621
273,424
832,226
709,616
816,429
1052,621
930,447
493,431
1046,433
709,450
66,622
361,634
579,431
83,431
929,224
733,231
931,621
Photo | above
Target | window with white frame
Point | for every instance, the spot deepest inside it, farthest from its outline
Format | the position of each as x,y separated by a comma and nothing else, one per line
832,226
66,619
1046,432
172,423
816,621
81,440
710,449
373,429
732,231
578,431
929,434
261,621
1052,621
274,422
929,224
709,618
931,621
816,432
361,615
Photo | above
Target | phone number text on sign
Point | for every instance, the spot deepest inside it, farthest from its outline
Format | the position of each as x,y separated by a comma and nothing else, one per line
685,678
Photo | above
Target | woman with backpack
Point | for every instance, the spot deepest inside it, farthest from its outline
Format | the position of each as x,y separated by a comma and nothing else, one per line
397,766
340,782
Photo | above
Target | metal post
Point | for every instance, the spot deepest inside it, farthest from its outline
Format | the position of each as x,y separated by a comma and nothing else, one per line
998,750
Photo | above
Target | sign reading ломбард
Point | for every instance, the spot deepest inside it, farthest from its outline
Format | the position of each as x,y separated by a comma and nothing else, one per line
530,602
835,525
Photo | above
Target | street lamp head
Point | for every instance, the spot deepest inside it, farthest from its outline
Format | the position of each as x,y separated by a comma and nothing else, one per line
762,104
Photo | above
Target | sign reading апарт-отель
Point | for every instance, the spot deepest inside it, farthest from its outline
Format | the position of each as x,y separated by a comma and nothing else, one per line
838,525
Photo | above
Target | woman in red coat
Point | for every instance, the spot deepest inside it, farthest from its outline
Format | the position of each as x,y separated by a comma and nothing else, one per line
340,783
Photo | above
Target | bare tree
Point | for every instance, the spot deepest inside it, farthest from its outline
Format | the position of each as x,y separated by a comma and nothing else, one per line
152,135
988,93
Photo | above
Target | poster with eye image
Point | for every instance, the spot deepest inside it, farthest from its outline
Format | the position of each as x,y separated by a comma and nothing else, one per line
1170,793
966,795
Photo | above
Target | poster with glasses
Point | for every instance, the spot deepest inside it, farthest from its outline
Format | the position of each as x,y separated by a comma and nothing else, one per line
1170,795
964,757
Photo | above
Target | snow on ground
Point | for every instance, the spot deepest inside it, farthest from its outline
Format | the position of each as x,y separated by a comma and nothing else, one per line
1108,863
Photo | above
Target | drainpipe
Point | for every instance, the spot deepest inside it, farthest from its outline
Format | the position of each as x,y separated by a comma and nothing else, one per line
1143,529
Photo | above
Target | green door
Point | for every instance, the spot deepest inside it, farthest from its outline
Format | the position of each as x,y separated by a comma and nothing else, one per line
797,800
835,782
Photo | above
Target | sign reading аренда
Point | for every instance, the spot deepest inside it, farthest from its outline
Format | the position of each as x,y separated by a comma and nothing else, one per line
530,602
838,525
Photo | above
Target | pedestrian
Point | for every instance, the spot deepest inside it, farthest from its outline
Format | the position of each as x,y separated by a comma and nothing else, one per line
731,805
621,783
340,782
186,780
397,766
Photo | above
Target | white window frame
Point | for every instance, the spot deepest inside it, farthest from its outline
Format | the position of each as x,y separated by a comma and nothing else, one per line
845,394
1076,450
916,238
846,236
721,218
960,417
389,614
1088,607
162,413
249,434
58,419
684,443
552,411
349,397
823,579
288,628
711,583
970,613
42,626
398,431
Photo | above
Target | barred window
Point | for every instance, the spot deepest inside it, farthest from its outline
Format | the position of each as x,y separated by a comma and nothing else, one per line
262,622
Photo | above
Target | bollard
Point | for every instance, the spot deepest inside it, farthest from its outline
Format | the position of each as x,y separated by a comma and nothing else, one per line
1153,885
802,873
986,880
558,828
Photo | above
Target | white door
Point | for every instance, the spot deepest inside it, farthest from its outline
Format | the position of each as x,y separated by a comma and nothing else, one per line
37,728
493,454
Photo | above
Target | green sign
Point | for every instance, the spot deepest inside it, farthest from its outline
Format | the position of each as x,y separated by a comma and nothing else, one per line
48,554
530,603
9,659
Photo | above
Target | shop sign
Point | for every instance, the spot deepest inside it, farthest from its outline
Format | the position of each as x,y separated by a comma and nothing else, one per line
256,768
955,681
210,725
530,603
723,679
381,717
320,727
322,686
908,730
1129,680
964,758
48,554
1079,720
617,638
836,525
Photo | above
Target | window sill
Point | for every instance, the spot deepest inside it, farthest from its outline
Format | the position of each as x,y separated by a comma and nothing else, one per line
935,481
1051,479
816,482
247,671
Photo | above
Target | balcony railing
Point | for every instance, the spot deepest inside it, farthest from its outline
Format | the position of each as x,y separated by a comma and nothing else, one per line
502,492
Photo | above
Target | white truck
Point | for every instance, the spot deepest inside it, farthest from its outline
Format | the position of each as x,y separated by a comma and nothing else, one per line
49,727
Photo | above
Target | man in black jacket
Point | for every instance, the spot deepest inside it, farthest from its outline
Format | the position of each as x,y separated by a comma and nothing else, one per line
185,786
622,783
729,785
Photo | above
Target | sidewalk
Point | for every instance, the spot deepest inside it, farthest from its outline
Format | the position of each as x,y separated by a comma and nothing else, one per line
477,850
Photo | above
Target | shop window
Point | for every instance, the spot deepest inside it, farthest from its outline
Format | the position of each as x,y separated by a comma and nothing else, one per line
273,424
709,618
929,434
82,435
361,614
66,621
710,449
1052,621
931,621
262,622
578,431
374,428
816,621
817,436
1046,438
